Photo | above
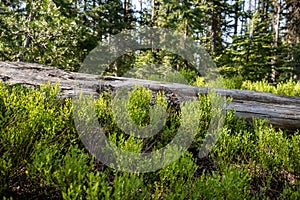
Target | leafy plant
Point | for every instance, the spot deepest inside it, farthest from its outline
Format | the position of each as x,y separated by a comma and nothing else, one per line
40,149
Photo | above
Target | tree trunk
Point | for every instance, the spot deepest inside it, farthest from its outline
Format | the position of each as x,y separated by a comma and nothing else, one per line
153,13
126,11
236,18
27,34
281,111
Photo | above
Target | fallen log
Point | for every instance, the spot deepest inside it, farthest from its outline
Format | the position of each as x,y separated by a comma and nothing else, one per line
281,111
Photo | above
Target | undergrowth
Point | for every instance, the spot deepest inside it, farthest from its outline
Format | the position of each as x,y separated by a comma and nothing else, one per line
290,87
41,155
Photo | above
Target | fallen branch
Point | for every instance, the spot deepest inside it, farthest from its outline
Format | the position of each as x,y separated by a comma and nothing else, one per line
281,111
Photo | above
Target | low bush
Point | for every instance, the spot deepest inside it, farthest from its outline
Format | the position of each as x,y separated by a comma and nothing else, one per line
42,156
290,87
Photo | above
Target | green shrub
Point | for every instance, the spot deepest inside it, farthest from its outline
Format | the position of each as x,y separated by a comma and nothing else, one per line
129,186
64,171
42,156
176,181
231,183
29,116
261,86
289,88
222,82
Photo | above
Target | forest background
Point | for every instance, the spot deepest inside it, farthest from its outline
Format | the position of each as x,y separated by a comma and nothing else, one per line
248,39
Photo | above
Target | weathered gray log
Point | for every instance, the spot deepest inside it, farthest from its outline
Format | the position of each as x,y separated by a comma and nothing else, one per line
281,111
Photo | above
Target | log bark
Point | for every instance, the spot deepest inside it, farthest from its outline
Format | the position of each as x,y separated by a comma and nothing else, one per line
281,111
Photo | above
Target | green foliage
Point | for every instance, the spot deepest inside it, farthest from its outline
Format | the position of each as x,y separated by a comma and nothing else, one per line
251,53
37,38
290,87
139,105
29,118
129,186
261,86
55,32
255,42
179,177
231,183
40,149
160,65
41,155
234,82
64,172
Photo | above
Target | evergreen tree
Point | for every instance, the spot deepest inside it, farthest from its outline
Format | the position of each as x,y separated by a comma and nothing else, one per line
251,53
254,38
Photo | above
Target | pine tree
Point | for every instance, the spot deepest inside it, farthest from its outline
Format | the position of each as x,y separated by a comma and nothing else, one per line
252,52
39,33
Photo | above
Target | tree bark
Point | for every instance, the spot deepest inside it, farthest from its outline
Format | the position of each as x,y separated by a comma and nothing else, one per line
281,111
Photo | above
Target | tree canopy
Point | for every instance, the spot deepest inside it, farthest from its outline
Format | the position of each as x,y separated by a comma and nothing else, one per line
254,39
